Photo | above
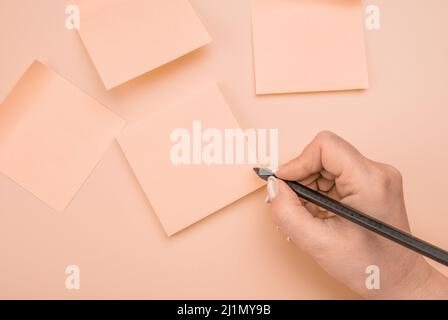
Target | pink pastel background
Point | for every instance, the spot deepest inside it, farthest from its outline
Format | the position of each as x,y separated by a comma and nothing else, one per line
110,230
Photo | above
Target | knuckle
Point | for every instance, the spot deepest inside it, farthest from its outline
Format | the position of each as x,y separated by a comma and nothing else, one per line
388,177
325,136
383,176
395,174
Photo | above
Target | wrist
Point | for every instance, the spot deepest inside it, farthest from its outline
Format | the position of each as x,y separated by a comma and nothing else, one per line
435,287
420,282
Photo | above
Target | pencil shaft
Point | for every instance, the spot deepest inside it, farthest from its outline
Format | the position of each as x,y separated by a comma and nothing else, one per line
370,223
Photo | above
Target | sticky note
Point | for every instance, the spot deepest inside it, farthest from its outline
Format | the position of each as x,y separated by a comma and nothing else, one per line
308,45
52,135
126,39
183,192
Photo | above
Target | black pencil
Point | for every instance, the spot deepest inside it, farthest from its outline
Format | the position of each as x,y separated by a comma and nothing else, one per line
405,239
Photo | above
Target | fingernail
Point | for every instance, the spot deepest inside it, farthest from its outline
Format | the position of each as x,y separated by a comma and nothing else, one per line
288,239
272,188
267,200
277,227
274,171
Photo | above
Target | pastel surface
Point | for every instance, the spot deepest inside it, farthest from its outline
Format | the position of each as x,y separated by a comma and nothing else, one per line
126,39
304,46
52,135
183,194
111,231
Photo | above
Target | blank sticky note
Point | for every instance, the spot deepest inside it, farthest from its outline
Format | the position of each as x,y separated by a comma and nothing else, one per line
183,193
52,135
126,39
308,45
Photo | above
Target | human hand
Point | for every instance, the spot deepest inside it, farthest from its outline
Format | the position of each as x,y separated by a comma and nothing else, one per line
334,167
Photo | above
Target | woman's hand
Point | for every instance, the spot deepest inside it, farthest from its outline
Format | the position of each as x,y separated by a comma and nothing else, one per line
334,167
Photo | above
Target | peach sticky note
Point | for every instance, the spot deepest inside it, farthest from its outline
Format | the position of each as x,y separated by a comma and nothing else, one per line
182,193
308,45
52,135
126,39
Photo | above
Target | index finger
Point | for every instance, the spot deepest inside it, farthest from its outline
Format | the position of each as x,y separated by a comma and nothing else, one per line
327,153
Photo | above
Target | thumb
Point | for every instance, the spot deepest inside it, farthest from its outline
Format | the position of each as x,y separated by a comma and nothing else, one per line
293,218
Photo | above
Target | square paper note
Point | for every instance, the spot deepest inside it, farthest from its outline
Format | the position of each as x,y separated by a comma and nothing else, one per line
308,45
126,39
52,135
168,153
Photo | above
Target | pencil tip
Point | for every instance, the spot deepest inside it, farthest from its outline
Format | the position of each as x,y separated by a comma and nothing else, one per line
263,173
